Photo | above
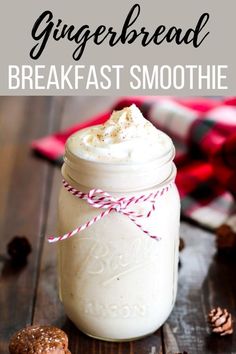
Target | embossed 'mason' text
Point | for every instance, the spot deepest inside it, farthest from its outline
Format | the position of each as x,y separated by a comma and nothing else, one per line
97,309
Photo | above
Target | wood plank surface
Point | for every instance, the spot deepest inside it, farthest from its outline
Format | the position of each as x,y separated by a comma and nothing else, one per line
28,197
23,204
206,280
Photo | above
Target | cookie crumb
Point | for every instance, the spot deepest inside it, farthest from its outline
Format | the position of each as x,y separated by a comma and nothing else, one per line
18,249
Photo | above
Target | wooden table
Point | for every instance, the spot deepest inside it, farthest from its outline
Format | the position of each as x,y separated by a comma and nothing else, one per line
29,188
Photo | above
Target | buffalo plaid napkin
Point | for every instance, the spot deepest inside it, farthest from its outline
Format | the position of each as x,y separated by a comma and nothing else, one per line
204,133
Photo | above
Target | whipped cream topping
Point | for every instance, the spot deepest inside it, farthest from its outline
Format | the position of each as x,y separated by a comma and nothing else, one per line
125,137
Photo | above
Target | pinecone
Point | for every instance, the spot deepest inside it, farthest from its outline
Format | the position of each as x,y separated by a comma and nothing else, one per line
18,249
181,244
225,237
221,321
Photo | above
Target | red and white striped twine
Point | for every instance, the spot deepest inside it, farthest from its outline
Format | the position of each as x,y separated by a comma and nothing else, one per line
97,198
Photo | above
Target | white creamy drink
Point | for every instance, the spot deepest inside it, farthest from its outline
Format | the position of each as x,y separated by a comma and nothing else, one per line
116,281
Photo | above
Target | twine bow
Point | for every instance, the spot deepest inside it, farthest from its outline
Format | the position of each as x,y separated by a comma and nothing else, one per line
99,199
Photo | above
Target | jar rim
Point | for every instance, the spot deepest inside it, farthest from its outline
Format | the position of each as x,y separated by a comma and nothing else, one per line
169,178
117,177
71,158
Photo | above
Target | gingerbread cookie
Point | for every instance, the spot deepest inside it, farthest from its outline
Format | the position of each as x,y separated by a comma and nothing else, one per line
39,339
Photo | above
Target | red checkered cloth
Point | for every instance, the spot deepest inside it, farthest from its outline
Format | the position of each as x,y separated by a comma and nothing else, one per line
204,133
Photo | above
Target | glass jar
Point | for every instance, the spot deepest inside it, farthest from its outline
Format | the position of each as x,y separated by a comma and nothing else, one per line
116,282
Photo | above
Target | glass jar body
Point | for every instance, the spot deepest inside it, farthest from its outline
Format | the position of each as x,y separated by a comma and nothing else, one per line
117,283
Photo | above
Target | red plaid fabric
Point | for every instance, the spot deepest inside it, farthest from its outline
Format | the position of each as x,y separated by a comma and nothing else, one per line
204,133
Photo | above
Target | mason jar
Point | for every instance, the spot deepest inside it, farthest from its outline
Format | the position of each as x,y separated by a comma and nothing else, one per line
116,282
